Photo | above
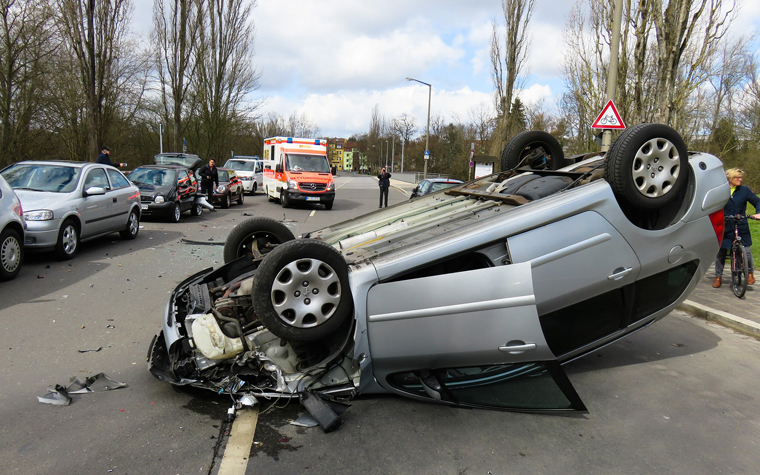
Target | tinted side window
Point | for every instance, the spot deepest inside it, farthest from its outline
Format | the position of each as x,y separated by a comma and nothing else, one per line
117,179
96,177
660,290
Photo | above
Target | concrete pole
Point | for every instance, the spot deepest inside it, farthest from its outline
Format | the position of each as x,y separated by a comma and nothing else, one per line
613,70
402,155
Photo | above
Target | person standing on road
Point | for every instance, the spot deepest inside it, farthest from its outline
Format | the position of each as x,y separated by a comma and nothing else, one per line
384,179
209,179
737,204
105,158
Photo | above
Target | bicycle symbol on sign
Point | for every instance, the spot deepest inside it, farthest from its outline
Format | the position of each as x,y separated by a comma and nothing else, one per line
608,120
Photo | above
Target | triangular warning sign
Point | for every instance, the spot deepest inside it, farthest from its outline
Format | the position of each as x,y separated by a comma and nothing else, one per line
609,118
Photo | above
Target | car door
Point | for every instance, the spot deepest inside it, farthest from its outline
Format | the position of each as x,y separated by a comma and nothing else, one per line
97,208
185,189
470,338
581,266
122,195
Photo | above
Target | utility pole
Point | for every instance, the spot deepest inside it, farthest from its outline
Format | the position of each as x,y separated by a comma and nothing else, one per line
612,72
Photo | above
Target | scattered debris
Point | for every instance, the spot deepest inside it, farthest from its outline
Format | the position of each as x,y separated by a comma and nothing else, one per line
94,349
59,396
40,277
202,243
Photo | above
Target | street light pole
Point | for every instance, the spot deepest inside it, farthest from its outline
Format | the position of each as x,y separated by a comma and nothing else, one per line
427,132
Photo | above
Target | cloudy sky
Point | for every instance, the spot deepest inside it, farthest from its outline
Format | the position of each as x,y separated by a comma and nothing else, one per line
334,60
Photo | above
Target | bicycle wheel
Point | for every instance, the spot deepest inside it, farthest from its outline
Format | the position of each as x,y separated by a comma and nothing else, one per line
738,269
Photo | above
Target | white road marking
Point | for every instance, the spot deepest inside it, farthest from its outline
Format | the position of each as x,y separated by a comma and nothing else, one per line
238,448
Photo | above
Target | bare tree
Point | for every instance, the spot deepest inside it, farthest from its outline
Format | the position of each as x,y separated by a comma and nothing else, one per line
300,125
26,47
94,32
403,127
482,121
225,73
175,28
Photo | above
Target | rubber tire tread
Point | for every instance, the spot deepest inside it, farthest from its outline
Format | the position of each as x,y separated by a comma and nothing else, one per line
59,245
510,156
11,233
244,230
271,266
619,160
125,234
738,272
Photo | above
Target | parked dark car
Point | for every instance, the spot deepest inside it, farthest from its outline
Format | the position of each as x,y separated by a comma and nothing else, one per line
167,191
230,188
431,185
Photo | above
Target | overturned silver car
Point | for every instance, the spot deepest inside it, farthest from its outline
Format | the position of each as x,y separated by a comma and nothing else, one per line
472,296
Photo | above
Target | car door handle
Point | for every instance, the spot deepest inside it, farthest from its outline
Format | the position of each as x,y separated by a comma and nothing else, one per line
516,348
619,273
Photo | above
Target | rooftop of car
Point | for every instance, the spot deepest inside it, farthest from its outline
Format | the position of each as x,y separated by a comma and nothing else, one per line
56,162
163,167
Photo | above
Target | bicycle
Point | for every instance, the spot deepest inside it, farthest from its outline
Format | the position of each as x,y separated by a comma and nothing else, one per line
738,254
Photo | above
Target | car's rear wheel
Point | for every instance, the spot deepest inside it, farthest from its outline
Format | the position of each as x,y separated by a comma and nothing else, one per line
175,213
11,254
300,290
67,245
536,149
255,238
240,198
647,166
196,210
133,226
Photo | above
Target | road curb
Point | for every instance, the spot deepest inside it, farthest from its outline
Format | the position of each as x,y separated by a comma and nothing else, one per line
742,325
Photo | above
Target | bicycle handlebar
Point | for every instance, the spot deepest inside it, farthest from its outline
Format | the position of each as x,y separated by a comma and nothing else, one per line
739,216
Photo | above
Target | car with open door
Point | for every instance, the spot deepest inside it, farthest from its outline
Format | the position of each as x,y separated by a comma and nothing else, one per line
474,296
167,191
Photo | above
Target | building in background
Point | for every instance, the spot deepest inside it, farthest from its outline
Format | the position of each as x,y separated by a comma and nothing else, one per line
335,149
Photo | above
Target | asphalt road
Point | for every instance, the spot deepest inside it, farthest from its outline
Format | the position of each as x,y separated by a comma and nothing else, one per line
678,397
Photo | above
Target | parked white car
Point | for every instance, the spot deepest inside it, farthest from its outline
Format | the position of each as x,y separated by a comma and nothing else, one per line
250,170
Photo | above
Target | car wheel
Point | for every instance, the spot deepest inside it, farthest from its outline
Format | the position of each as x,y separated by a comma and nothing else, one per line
133,226
67,245
196,210
226,201
647,166
11,254
300,290
253,189
534,148
255,237
284,200
240,198
175,213
328,205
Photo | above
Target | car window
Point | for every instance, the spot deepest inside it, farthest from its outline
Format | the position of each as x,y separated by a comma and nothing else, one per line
117,179
441,186
223,176
37,177
242,165
152,176
307,163
258,167
424,186
96,177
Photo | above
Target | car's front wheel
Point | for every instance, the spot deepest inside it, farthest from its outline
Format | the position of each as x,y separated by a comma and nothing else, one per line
255,237
67,245
240,198
301,292
226,201
284,200
175,213
647,166
11,254
133,226
253,189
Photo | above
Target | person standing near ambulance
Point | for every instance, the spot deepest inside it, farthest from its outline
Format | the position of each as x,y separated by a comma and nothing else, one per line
384,179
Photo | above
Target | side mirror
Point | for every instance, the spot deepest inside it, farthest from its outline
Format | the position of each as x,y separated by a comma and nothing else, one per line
94,190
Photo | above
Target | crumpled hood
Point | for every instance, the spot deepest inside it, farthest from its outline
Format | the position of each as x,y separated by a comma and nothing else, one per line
33,200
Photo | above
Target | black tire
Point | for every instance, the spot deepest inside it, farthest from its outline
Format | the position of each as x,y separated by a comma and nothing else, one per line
196,210
284,200
11,254
738,269
253,188
226,200
300,291
240,198
67,245
255,237
133,226
525,149
328,205
175,214
647,166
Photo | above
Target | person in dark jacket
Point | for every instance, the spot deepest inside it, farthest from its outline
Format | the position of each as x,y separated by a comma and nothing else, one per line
384,179
105,158
209,179
737,204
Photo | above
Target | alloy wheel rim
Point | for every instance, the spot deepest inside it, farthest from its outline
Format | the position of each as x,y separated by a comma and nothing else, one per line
133,224
69,239
10,254
306,293
656,167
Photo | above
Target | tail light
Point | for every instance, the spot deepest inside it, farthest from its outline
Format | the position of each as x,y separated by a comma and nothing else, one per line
718,224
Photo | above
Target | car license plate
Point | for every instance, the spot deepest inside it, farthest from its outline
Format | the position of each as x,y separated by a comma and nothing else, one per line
144,206
312,198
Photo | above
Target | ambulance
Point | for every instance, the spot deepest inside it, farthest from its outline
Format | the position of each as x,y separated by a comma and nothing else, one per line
296,169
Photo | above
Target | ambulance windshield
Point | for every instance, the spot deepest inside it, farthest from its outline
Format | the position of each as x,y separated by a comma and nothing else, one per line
307,163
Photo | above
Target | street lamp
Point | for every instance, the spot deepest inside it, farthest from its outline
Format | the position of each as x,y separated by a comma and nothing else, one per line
427,132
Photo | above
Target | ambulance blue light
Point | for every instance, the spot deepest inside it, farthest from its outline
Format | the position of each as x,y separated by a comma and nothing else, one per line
316,142
290,139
